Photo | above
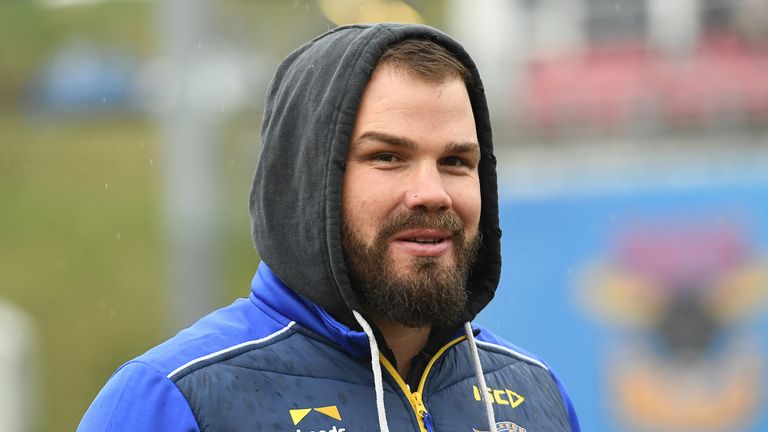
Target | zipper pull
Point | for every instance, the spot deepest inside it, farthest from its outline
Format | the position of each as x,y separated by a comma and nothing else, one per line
428,425
421,410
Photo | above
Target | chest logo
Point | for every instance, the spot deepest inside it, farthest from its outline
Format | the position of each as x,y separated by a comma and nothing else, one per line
506,426
298,414
500,396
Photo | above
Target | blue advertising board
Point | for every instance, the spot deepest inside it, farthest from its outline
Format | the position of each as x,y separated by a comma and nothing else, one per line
650,305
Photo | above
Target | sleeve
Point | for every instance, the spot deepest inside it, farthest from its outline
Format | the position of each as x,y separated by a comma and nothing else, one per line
575,427
138,398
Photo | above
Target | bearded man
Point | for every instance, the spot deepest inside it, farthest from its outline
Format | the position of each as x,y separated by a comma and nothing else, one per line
375,212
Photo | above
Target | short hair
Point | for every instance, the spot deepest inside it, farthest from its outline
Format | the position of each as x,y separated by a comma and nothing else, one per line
425,59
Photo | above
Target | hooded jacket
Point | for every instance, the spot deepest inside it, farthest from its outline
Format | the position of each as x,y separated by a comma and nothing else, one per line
297,354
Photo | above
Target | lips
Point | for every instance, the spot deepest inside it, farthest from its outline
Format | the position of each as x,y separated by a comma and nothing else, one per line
423,242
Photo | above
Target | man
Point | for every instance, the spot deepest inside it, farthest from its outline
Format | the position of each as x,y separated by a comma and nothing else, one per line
374,210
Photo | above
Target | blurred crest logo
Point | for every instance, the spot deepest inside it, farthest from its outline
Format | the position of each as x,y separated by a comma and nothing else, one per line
505,426
679,293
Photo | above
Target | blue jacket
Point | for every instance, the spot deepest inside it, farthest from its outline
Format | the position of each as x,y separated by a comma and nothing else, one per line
276,361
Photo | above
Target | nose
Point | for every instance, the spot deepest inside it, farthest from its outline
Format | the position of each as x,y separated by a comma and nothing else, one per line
426,191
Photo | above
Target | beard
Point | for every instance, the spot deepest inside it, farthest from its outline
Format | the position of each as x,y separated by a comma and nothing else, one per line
426,292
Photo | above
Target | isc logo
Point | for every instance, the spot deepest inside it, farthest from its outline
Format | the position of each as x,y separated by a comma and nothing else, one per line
501,397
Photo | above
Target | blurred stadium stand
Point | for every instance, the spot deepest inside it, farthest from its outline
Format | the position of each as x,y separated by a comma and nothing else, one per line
632,141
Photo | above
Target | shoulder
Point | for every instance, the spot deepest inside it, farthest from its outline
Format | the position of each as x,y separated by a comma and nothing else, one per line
142,394
139,398
489,342
238,325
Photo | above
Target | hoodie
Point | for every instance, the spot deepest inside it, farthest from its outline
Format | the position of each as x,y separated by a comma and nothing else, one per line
298,354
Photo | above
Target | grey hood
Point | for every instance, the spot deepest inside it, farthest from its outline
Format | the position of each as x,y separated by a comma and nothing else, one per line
295,202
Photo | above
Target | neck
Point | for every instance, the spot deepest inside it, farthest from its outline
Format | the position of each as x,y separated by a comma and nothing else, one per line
405,342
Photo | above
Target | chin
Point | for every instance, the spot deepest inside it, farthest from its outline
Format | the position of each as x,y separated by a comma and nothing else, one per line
419,265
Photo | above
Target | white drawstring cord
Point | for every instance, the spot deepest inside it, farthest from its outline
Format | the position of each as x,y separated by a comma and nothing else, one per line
480,377
378,382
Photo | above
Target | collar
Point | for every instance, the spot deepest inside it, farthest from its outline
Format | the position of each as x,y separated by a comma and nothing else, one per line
275,298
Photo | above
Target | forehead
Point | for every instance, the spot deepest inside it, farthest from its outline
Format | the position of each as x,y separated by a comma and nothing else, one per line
391,73
398,102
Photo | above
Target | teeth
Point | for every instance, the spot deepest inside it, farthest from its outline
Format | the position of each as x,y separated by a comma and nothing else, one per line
431,241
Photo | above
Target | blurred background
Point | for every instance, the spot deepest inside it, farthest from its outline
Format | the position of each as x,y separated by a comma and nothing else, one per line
632,138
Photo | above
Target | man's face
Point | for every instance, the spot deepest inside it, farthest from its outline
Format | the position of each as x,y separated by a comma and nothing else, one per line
411,198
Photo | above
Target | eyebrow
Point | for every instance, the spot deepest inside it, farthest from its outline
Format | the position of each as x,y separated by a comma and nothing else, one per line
393,140
463,147
398,141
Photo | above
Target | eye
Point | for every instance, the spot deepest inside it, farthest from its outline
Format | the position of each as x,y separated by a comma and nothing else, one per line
454,161
385,157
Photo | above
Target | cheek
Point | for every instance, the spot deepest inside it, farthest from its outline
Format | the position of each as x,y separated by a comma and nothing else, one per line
363,221
467,204
362,203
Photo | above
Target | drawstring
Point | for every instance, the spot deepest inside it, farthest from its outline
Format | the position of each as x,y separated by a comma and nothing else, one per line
480,377
378,383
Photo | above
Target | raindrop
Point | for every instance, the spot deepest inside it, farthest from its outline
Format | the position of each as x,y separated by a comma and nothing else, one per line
103,100
306,8
118,235
151,162
106,185
199,44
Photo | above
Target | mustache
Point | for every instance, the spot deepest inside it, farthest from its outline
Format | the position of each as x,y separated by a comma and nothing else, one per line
407,220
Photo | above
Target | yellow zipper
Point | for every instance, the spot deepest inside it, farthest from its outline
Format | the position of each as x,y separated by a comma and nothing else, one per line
415,398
